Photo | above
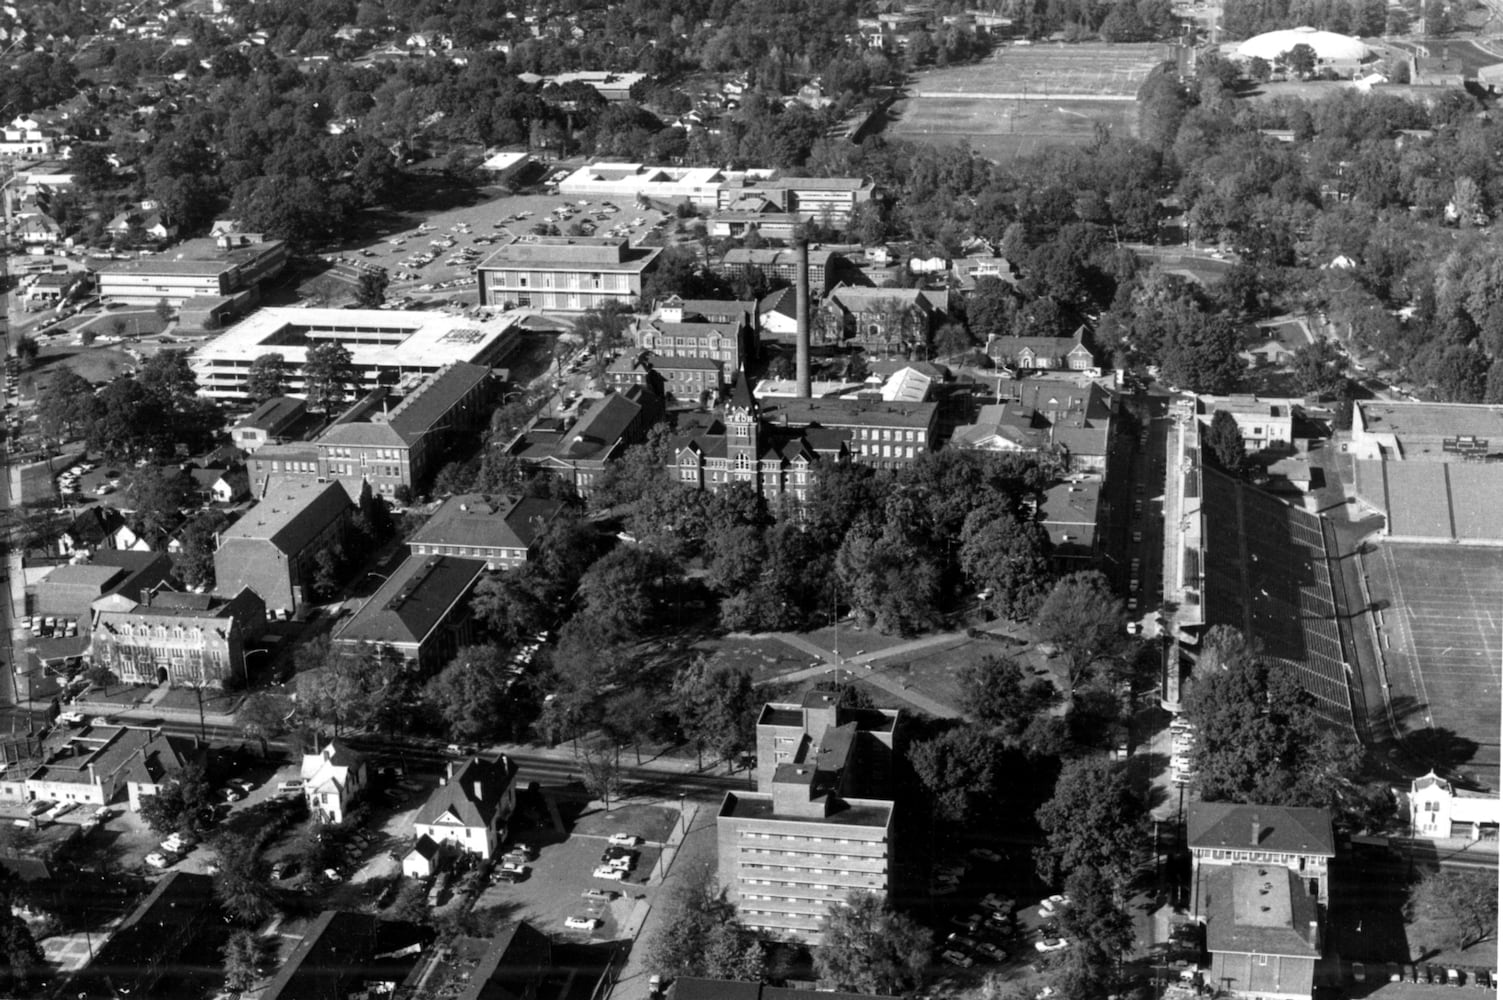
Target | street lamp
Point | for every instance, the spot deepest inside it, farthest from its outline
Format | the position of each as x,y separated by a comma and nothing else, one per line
683,820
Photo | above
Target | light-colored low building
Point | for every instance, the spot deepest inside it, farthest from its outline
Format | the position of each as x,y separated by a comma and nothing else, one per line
1439,810
91,766
332,779
222,266
565,273
1266,425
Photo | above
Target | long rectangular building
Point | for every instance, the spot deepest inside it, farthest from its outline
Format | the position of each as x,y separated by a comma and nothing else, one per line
565,273
227,265
384,345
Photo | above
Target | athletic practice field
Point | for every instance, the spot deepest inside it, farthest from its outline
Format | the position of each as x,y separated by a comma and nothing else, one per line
1441,609
1023,98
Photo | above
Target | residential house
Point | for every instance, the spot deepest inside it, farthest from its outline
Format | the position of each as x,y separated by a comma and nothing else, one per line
502,531
821,819
421,613
1071,513
230,486
332,779
403,446
1299,839
577,453
564,273
884,319
148,222
39,230
274,548
722,331
158,762
1439,810
91,766
424,859
345,954
1028,354
196,640
471,806
96,528
275,421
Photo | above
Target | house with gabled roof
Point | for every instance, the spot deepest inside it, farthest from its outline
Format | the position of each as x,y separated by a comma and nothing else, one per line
1262,930
471,806
332,778
156,763
577,452
1300,839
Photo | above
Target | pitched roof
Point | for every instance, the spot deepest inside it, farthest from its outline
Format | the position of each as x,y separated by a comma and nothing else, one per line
162,758
291,515
423,410
456,796
603,425
1280,829
512,965
472,519
413,601
275,414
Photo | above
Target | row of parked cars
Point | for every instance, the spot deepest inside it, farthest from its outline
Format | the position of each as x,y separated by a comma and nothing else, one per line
620,857
981,934
1182,736
1428,974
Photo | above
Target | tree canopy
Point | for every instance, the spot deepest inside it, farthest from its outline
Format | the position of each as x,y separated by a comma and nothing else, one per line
871,948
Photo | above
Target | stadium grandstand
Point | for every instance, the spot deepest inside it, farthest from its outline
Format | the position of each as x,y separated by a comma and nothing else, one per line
1433,470
1234,555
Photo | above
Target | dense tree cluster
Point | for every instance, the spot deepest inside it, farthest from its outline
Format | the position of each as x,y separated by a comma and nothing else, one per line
145,415
1258,736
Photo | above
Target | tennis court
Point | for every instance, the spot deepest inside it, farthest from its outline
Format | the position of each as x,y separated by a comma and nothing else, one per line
1441,615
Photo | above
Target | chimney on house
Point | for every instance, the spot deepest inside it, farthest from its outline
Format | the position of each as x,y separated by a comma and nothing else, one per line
146,596
1256,829
804,388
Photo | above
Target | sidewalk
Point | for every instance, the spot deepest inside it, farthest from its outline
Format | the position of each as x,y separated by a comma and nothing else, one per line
646,921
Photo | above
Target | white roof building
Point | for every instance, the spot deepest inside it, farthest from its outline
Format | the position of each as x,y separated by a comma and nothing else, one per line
1330,48
393,343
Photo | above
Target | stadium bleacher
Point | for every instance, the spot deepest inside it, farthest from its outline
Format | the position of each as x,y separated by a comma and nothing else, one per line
1267,574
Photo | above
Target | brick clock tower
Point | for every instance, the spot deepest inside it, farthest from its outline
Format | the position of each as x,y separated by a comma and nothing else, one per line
742,426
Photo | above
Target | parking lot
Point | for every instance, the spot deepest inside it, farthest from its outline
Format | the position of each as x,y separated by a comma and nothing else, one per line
456,240
561,873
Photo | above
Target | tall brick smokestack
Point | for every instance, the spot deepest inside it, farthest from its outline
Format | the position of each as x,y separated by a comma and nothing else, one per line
804,388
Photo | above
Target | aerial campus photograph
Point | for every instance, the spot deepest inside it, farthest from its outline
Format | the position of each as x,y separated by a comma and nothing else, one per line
701,501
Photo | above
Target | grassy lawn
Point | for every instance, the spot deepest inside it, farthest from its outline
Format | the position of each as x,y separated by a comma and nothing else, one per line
853,639
764,657
186,699
98,364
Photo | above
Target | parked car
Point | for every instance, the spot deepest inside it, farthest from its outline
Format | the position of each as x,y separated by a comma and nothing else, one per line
993,952
600,895
286,868
607,872
1050,944
1359,972
292,787
624,840
996,902
513,866
959,958
159,860
71,718
579,923
38,807
983,854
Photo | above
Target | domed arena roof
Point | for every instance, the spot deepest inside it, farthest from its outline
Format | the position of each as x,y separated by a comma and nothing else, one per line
1328,45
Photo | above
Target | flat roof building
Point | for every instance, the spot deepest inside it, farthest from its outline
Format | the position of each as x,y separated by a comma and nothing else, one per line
219,266
384,345
819,825
564,273
699,186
